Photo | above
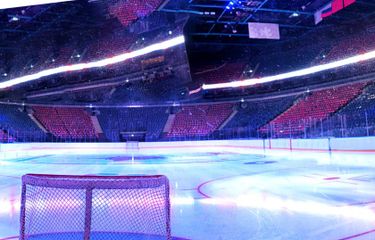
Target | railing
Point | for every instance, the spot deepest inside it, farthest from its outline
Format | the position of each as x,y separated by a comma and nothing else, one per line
341,125
12,136
360,124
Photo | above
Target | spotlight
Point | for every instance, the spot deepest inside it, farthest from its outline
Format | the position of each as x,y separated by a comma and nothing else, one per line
14,19
295,14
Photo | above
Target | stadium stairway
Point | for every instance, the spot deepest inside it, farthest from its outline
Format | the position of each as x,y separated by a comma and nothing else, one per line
168,125
234,113
36,121
96,125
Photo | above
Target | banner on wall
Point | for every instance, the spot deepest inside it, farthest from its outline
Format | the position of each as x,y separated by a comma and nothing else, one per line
331,8
264,30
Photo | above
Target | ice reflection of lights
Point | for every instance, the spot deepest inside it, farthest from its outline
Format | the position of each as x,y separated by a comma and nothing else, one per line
3,163
251,201
271,203
9,207
182,201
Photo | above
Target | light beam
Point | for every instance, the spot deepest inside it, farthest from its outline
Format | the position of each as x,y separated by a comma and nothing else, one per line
293,74
5,4
101,63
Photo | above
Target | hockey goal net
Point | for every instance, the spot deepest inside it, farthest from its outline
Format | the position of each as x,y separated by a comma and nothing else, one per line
94,207
132,147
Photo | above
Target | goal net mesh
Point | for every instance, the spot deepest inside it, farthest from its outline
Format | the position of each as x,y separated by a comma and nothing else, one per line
91,207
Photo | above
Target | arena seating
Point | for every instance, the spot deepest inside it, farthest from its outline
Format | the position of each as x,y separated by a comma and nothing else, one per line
20,64
66,123
111,42
351,46
45,57
317,106
109,46
149,120
268,63
349,106
127,11
199,120
254,114
334,107
18,124
360,113
65,55
285,60
5,137
25,62
223,73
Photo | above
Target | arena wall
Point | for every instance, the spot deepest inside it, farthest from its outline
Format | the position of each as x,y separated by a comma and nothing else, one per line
331,150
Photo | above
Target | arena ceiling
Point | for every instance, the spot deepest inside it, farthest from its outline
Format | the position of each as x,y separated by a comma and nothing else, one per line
212,21
225,21
22,25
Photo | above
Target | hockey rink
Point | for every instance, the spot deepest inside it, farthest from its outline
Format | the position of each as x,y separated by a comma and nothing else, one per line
223,195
